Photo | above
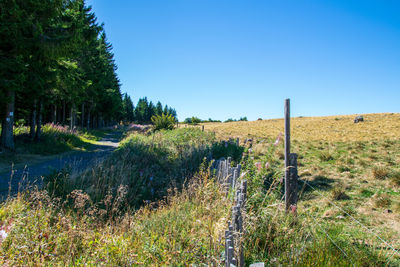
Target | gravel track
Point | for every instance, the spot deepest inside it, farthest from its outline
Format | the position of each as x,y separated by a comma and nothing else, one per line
14,180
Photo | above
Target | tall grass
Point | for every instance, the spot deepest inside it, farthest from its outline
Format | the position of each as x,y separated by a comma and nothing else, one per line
146,165
54,139
185,228
155,202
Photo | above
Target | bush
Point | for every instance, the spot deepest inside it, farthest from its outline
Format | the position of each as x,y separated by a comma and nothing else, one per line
228,149
163,122
192,120
230,120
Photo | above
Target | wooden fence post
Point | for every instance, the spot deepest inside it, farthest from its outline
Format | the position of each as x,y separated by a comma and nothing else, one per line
293,179
287,152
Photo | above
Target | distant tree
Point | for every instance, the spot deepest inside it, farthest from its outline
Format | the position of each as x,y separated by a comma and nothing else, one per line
128,109
159,108
243,119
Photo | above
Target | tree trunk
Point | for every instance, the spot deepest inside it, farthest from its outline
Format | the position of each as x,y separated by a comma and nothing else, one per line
7,136
72,117
58,118
54,114
39,121
63,113
88,120
83,116
32,131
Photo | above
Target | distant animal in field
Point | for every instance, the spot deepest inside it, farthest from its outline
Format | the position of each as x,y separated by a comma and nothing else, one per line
358,119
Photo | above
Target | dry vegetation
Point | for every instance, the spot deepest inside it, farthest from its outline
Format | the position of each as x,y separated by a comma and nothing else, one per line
331,129
353,173
354,168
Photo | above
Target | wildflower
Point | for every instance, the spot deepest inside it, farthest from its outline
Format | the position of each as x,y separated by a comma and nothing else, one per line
258,166
278,139
293,209
3,235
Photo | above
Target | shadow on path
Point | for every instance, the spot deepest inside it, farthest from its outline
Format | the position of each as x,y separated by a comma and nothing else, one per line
32,174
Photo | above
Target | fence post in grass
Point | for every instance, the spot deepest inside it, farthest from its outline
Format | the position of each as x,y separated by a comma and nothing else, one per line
226,247
287,152
293,179
244,190
202,128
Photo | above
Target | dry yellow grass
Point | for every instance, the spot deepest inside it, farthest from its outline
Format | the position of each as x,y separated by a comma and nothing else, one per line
331,128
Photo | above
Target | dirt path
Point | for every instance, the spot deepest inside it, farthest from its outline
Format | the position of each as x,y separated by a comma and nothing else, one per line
31,174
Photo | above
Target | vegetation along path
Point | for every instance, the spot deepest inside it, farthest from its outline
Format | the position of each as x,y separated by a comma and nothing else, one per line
77,161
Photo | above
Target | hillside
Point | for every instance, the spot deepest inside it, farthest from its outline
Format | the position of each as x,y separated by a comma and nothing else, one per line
331,129
156,201
355,166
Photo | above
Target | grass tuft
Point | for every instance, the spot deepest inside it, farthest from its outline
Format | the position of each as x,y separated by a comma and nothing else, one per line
380,172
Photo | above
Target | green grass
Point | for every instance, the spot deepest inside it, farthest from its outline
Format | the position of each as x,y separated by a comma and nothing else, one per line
55,139
101,217
185,229
147,165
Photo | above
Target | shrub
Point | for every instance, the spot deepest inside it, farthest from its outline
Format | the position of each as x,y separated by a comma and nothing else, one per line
192,120
227,149
163,122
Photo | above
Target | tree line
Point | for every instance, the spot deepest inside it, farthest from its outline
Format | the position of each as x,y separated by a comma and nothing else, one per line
56,65
144,110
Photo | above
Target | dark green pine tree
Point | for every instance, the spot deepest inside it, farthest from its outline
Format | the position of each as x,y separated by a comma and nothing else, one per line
159,109
128,108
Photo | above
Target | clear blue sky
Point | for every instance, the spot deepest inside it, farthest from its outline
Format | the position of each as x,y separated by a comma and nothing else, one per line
227,59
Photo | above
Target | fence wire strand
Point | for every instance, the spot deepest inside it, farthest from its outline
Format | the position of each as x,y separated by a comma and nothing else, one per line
331,239
358,222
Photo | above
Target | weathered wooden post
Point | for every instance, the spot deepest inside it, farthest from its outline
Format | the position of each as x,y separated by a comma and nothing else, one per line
226,247
202,128
290,164
287,152
293,179
244,190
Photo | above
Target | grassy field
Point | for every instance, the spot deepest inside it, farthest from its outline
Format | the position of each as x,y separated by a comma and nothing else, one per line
351,170
155,202
328,129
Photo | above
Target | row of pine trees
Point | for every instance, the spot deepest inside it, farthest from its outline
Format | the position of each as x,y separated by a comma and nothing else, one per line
144,110
56,65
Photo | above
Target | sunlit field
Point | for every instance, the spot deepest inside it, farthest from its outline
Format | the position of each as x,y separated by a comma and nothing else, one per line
331,129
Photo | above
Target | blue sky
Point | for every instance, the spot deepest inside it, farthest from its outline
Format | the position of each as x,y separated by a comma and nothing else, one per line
229,58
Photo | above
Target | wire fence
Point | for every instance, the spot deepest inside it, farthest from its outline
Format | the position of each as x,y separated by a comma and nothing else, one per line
363,226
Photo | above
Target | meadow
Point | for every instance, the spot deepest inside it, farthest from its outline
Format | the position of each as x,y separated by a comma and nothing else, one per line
155,200
346,171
